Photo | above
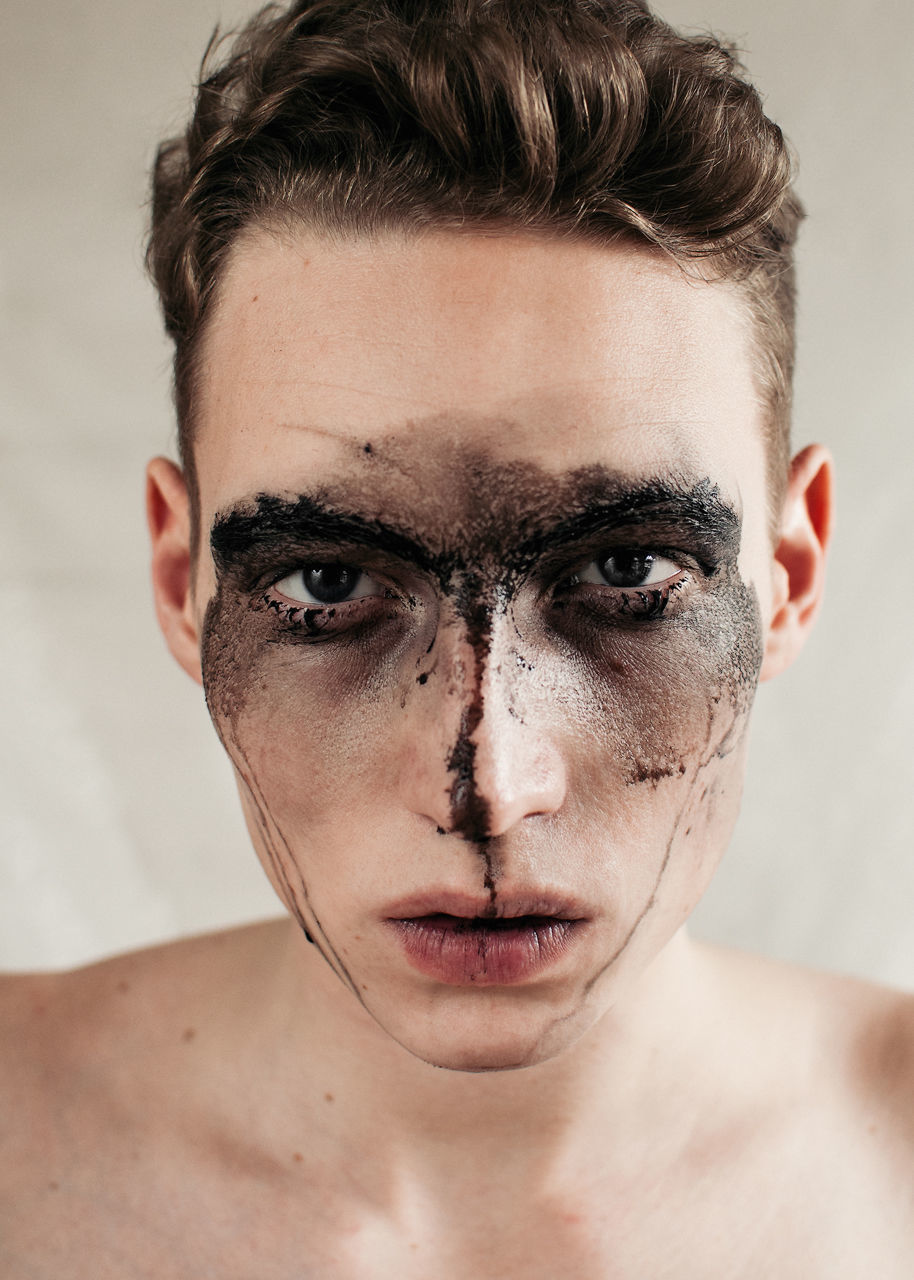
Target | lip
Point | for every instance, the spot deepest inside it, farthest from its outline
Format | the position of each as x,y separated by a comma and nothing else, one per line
462,940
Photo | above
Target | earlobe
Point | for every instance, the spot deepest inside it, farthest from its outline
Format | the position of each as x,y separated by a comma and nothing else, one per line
799,558
168,516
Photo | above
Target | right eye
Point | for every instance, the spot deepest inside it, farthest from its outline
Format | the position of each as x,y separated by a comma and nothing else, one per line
629,568
314,585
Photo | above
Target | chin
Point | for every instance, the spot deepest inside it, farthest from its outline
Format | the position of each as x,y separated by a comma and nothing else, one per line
476,1058
504,1039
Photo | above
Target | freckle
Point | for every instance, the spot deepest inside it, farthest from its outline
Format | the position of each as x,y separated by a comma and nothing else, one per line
53,1186
297,1157
188,1035
328,1097
123,987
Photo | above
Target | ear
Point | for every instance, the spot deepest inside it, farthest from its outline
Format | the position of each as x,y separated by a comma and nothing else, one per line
799,558
168,515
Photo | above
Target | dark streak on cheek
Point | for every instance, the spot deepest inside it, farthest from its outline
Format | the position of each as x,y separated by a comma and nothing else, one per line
732,637
229,657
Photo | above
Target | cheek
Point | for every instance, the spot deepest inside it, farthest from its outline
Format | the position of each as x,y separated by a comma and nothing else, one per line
659,718
302,729
650,720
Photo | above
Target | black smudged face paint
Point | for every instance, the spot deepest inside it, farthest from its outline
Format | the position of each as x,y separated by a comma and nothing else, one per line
381,625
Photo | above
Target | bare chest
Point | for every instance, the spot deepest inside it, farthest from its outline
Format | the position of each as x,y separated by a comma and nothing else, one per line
169,1223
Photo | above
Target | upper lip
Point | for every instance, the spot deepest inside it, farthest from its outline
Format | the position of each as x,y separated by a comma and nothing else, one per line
507,905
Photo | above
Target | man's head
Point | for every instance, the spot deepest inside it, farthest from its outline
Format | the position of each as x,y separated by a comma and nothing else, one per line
488,578
588,119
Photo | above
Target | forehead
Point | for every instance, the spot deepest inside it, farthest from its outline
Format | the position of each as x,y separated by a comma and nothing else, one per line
549,353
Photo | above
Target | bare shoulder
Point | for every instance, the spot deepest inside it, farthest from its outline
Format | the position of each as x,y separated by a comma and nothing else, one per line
101,1088
857,1034
50,1019
830,1061
848,1040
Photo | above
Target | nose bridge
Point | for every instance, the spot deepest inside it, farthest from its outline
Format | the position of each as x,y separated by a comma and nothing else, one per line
493,770
470,806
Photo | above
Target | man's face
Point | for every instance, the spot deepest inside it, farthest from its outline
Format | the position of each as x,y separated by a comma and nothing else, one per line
483,592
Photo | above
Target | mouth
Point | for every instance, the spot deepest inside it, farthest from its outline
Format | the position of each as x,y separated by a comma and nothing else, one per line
469,944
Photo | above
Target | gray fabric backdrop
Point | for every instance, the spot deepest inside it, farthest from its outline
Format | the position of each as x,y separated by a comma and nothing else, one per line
119,821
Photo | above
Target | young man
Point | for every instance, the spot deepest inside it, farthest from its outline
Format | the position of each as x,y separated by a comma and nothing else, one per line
485,533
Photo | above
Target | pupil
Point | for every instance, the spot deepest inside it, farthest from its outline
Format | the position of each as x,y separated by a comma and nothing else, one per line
627,568
330,583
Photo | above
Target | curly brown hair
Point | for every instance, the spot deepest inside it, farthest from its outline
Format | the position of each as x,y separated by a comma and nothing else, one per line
588,118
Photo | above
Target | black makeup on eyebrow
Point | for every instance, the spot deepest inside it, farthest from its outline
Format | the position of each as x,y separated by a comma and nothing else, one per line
516,530
696,511
275,526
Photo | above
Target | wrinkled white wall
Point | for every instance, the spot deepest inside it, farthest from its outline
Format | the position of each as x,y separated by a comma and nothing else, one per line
119,822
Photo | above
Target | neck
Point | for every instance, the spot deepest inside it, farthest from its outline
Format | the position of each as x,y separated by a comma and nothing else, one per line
619,1088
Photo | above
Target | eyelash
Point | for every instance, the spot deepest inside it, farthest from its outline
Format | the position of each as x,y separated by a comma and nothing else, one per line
627,605
319,622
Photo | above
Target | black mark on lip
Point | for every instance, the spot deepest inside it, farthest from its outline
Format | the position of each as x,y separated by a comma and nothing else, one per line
488,880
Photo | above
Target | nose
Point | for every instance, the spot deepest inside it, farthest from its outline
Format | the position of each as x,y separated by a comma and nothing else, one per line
476,764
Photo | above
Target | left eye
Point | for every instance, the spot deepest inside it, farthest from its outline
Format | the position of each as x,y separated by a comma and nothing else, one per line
317,584
629,567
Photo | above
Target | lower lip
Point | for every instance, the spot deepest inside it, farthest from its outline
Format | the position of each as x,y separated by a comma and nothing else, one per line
475,953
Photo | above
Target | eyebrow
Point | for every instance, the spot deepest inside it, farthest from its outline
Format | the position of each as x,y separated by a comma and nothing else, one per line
698,508
270,523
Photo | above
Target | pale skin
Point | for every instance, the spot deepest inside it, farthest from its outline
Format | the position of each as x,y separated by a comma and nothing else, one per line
254,1104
